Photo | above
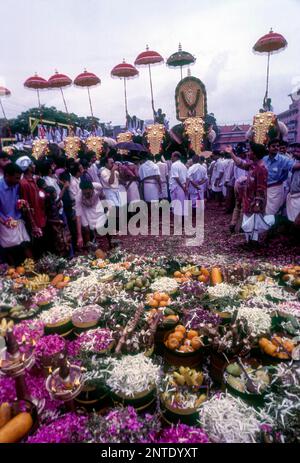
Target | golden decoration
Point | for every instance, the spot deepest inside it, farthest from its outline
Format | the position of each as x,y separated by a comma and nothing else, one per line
194,128
39,147
122,138
155,134
262,123
95,144
190,98
72,146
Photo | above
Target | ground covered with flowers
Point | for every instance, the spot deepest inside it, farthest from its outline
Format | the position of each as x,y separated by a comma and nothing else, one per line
154,344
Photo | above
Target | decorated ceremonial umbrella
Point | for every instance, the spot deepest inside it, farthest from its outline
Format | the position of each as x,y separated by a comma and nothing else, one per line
125,71
269,44
36,83
146,58
60,81
87,79
3,93
131,146
180,59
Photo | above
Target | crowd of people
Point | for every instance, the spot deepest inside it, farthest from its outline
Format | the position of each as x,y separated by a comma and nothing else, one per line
55,203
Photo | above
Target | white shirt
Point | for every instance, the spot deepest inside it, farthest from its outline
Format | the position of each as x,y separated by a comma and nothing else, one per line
196,173
105,176
148,169
228,172
90,216
74,188
93,172
163,169
178,170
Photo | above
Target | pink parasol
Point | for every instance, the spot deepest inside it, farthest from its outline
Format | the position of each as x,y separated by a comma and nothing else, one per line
269,44
125,71
36,83
60,81
87,79
147,58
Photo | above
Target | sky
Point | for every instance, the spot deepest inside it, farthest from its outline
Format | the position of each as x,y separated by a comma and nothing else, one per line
70,35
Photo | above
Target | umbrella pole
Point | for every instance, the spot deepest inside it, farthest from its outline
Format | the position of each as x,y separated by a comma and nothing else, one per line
151,88
268,74
38,95
181,72
3,110
90,100
63,97
125,94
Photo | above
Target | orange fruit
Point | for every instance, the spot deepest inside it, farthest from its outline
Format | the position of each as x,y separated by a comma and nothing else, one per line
157,297
203,279
153,303
205,272
177,274
20,270
188,274
196,343
191,334
180,328
163,303
164,296
173,344
177,335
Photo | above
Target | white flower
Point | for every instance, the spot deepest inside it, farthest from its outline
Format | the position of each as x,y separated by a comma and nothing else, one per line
229,420
258,320
165,284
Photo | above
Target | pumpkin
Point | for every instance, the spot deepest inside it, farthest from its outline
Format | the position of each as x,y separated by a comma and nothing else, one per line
216,276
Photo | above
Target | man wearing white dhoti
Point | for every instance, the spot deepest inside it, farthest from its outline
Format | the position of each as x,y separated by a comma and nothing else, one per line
164,172
197,178
177,182
278,167
217,177
150,177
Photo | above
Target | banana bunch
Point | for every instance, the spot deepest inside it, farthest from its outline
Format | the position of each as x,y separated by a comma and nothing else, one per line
188,376
5,326
29,265
38,282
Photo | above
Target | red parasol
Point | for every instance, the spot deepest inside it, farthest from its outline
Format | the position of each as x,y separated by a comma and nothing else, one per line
146,58
87,79
125,71
60,81
4,92
36,83
269,44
